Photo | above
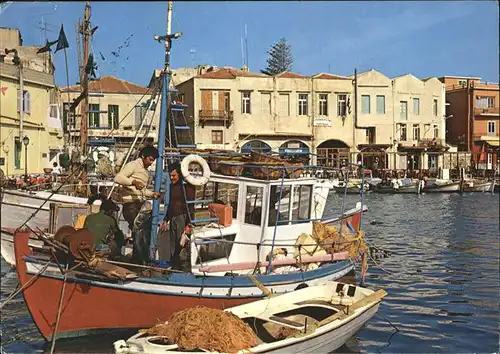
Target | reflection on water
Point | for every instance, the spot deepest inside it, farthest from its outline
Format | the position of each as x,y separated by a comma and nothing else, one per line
442,279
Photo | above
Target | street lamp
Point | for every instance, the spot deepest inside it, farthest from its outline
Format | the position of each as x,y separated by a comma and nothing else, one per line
26,141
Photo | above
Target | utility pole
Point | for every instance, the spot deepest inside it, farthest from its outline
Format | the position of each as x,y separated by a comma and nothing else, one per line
355,115
21,100
17,61
85,31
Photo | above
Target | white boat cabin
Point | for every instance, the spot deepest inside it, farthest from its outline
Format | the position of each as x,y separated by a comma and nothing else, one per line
255,208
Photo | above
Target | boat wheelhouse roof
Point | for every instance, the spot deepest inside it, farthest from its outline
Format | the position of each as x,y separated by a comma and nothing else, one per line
216,177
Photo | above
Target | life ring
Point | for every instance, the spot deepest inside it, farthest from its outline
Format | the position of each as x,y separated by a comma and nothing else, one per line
194,179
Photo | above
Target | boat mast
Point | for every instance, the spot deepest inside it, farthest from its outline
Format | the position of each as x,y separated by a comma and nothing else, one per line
85,31
162,129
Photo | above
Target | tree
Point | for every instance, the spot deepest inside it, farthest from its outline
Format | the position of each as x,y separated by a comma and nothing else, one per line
280,58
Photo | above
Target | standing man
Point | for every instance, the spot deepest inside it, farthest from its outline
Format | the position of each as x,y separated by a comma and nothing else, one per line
177,220
134,178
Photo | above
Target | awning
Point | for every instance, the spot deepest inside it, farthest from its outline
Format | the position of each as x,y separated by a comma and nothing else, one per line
373,147
493,143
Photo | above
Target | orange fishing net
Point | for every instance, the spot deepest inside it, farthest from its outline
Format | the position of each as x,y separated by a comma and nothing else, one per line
206,328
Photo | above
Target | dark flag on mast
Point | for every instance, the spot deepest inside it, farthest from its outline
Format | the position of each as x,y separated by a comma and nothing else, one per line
62,43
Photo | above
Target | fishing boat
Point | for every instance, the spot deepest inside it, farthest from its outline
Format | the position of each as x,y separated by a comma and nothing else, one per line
441,186
245,223
472,185
399,186
317,319
351,187
91,304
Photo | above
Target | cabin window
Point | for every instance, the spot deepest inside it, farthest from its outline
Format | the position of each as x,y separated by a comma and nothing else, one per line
226,193
221,193
212,251
301,203
253,210
284,206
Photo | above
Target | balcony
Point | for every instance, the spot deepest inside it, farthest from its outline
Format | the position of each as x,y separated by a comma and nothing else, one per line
215,115
104,132
431,142
424,144
485,137
490,111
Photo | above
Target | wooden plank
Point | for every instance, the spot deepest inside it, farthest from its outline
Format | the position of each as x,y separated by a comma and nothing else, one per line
285,322
375,297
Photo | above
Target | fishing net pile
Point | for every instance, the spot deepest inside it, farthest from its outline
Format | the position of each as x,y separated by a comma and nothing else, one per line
104,166
206,328
333,242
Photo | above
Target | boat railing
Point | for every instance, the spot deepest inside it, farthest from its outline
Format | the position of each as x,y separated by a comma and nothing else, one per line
209,240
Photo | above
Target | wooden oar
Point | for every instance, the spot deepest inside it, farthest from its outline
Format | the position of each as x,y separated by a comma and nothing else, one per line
261,286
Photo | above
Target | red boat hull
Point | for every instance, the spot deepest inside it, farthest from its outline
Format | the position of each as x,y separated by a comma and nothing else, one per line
87,308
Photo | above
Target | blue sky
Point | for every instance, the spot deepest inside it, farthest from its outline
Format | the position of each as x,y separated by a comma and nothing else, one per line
425,38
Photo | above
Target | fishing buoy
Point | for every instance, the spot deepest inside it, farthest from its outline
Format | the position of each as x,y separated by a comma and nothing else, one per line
193,179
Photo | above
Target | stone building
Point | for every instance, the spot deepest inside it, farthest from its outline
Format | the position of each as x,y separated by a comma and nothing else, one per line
38,123
473,123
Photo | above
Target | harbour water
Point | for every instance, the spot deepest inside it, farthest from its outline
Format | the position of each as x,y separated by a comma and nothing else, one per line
442,279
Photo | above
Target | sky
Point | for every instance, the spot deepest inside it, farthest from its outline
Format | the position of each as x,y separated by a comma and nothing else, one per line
424,38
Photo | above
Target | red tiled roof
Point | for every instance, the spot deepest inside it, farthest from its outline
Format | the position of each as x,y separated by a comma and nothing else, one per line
229,73
110,84
290,75
329,76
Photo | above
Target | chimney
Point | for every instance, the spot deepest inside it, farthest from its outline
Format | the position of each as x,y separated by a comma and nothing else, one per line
244,68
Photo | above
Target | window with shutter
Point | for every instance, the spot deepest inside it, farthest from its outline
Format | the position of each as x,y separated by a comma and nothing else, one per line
323,104
17,152
303,100
380,104
416,106
365,104
113,119
284,105
266,103
27,102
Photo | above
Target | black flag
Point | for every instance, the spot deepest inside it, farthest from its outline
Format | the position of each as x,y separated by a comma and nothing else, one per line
46,48
62,42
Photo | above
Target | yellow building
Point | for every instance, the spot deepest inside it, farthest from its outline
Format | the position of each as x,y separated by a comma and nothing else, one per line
41,123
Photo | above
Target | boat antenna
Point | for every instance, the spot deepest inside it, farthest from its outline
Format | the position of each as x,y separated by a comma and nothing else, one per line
242,50
165,77
246,45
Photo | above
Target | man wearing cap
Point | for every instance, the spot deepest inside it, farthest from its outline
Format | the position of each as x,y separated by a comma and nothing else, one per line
105,229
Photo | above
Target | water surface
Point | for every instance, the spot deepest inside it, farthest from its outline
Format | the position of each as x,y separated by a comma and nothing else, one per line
442,279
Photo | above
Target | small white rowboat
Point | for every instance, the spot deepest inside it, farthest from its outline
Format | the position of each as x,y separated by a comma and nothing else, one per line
324,317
